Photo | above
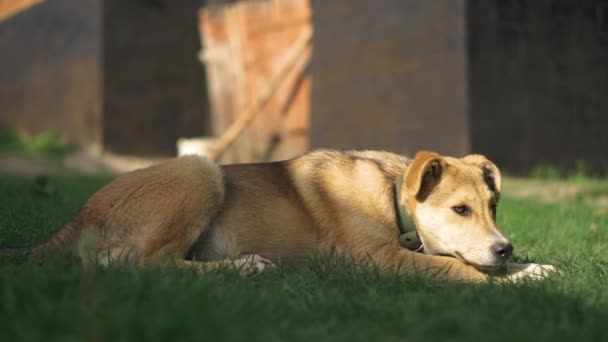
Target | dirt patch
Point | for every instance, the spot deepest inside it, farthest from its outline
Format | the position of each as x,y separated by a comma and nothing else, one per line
27,166
78,161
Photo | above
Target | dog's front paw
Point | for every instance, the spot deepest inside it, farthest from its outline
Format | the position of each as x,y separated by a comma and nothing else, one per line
252,264
523,272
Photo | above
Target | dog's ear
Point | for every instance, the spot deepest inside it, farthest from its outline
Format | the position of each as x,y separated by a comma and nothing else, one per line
423,173
491,174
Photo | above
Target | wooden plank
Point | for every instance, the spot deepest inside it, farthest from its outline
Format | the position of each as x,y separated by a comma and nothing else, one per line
246,46
242,122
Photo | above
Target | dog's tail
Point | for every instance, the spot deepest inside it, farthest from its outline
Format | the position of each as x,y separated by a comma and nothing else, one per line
62,243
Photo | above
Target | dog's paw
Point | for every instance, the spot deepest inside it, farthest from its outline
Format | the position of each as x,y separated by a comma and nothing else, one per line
252,264
524,272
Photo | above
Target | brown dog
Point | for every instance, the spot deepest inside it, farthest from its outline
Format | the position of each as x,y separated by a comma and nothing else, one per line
324,202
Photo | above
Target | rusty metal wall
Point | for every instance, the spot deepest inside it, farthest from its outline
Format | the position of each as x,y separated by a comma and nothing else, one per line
154,88
390,75
539,80
50,70
119,74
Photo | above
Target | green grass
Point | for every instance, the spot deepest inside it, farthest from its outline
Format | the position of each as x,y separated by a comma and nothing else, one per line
581,171
45,144
331,301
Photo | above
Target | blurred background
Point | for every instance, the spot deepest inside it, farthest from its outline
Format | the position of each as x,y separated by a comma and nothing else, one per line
127,82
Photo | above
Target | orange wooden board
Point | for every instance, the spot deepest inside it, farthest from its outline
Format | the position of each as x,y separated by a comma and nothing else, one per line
8,8
245,45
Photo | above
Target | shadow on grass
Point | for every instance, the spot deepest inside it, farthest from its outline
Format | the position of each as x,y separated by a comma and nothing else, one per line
326,300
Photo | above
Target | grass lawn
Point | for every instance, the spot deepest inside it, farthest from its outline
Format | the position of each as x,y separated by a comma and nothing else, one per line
326,301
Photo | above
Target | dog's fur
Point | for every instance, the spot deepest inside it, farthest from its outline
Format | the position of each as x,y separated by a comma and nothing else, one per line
198,214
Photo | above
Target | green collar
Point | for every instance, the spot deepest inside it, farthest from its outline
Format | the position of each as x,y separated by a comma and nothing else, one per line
408,237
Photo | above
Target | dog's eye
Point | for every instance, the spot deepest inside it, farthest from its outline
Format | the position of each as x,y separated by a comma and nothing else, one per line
493,208
462,210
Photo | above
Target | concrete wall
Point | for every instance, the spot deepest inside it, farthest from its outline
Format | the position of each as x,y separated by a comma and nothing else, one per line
50,70
390,75
538,81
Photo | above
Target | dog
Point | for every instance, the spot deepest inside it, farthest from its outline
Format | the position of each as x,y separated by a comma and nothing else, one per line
366,205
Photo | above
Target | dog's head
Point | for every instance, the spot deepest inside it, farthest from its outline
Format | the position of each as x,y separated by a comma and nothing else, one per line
453,202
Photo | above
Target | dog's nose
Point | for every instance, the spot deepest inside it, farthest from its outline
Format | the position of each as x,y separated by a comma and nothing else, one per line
503,249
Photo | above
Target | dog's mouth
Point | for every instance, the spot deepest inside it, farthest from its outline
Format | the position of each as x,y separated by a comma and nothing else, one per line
484,268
